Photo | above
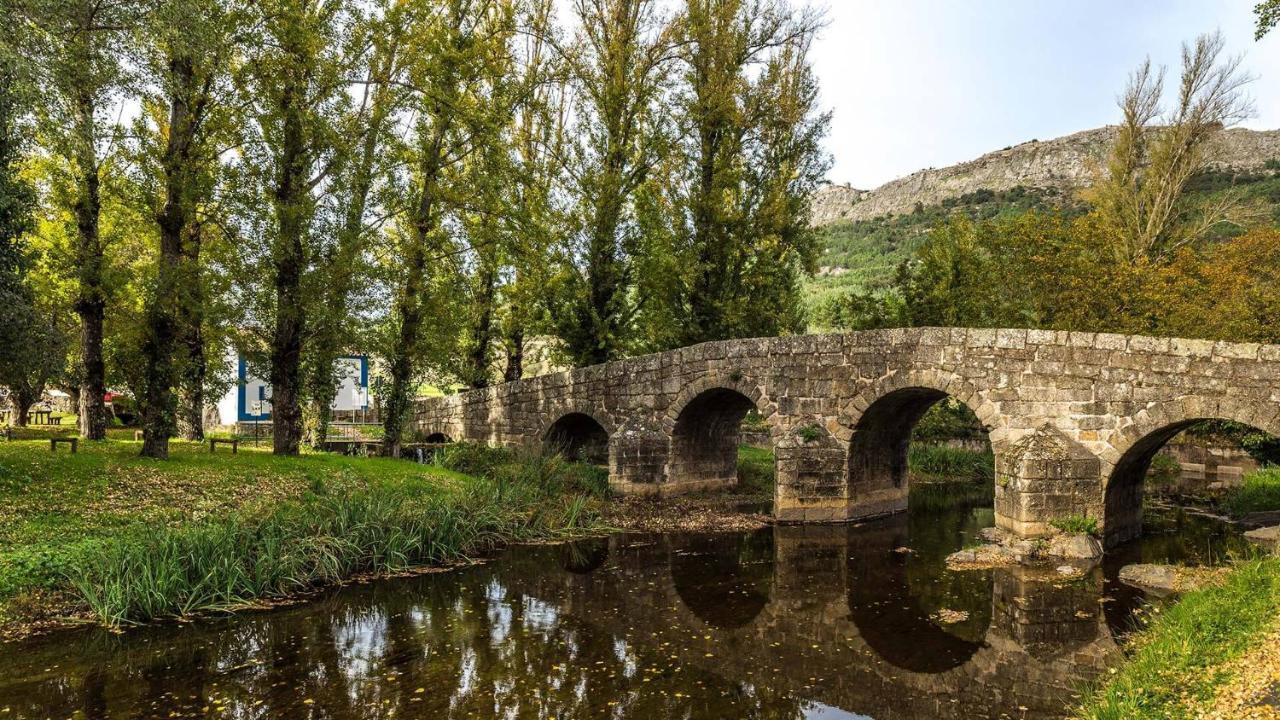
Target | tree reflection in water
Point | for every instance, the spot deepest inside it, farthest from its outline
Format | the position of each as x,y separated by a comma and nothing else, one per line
787,622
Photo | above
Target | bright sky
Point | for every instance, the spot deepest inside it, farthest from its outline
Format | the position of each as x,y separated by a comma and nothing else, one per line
929,83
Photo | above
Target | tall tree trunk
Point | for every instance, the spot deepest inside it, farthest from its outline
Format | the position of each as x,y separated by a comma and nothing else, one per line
91,308
194,368
290,262
515,355
158,401
409,312
482,331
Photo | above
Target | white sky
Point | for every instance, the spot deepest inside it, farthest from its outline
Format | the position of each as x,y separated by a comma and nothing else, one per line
928,83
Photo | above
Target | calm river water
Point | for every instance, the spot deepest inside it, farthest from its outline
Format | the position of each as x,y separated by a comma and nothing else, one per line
787,622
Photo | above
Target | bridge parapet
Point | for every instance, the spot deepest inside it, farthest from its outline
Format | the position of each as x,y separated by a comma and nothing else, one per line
840,409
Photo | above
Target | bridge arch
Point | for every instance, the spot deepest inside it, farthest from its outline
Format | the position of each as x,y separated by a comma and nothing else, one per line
703,424
1126,464
579,431
881,420
724,580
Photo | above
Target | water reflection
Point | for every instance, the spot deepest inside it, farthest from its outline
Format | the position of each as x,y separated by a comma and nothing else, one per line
790,622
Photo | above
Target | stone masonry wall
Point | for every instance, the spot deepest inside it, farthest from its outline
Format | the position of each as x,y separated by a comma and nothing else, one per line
1105,395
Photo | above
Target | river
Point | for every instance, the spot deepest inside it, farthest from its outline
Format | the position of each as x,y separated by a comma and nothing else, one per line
825,622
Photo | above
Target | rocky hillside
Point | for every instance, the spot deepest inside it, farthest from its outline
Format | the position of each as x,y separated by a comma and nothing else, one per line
1060,164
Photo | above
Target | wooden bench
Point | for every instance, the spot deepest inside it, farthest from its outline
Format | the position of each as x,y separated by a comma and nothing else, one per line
74,442
137,434
234,443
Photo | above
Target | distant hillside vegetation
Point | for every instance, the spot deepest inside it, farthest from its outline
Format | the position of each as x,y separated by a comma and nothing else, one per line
864,252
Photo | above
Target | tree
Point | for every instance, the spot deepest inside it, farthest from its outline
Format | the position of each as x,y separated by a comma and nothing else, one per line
462,57
1268,12
617,66
294,87
748,159
1140,194
30,345
188,46
81,46
368,128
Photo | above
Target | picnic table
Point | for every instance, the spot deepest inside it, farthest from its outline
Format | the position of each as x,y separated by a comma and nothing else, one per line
73,442
43,417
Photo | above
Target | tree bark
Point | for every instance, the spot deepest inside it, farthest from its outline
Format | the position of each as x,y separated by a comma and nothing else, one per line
482,331
515,355
22,402
157,402
90,303
290,262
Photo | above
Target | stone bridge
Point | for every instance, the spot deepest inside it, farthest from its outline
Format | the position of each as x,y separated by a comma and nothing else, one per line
1074,418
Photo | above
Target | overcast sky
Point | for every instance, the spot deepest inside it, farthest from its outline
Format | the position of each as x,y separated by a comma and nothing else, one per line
928,83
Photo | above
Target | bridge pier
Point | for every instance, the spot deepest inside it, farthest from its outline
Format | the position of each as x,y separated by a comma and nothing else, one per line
1046,477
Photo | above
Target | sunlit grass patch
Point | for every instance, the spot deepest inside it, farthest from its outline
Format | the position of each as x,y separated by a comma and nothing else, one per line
1178,662
1260,493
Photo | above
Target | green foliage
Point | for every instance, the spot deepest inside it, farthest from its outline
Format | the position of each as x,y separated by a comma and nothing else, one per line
1077,525
861,257
1173,666
1260,493
810,433
942,461
757,471
1268,12
948,419
729,211
1164,470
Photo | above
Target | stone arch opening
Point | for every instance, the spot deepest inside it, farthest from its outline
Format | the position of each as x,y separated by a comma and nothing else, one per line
1168,455
953,442
437,438
724,580
706,438
579,437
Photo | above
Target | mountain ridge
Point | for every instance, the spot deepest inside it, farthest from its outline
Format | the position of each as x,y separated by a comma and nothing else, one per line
1063,164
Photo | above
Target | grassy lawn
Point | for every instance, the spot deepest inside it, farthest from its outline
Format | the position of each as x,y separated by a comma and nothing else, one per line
1184,658
88,526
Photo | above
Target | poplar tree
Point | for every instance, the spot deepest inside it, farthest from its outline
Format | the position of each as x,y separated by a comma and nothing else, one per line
736,189
462,51
293,86
81,47
188,46
617,65
368,142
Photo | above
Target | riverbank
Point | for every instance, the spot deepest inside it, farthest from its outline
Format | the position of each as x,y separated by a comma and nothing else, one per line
1208,655
106,536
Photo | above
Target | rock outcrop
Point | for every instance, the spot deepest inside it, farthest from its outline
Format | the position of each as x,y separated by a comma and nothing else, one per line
1064,163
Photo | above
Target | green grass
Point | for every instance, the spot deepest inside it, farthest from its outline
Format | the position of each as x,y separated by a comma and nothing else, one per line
757,473
1077,525
136,538
1177,662
1260,493
931,462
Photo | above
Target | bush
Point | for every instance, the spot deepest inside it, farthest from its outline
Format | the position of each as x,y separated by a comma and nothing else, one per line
757,473
1260,493
1164,470
1077,525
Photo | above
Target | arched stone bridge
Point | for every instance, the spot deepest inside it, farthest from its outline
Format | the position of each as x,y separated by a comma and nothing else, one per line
1074,418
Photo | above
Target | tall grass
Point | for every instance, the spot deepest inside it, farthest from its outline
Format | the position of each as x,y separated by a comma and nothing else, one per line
943,461
1176,663
242,558
1260,493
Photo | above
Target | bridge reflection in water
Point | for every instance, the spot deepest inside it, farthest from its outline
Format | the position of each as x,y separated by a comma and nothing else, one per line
786,622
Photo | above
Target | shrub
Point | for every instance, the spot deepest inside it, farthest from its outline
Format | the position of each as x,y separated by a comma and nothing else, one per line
1077,525
1260,493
